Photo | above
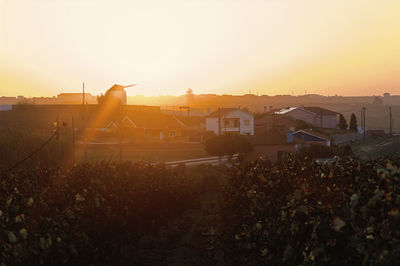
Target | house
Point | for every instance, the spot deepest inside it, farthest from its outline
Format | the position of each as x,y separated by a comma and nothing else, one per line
151,127
316,116
308,136
230,121
268,122
5,107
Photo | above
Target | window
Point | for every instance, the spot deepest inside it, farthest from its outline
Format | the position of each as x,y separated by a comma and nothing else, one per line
226,122
172,134
247,122
236,123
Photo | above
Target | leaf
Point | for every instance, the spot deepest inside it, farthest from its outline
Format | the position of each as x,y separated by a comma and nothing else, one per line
264,252
30,202
338,224
354,200
24,233
302,209
297,194
262,178
79,197
12,238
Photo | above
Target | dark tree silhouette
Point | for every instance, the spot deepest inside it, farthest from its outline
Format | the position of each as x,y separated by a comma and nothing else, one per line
353,122
342,122
189,95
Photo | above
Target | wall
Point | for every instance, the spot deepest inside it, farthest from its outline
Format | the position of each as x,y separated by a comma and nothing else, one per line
120,94
212,123
329,121
244,130
300,114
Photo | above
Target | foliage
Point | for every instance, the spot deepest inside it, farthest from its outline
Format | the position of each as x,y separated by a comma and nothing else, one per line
342,122
298,212
272,136
301,124
377,100
91,214
101,99
316,151
353,122
227,145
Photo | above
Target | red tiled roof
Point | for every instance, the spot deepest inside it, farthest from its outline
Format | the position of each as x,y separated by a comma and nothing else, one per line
150,120
155,121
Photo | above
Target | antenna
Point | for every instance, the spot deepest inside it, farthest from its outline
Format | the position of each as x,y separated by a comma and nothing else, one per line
129,86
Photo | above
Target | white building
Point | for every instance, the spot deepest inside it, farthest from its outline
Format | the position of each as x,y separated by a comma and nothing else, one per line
230,120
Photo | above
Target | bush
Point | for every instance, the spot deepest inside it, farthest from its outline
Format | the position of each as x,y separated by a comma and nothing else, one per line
297,212
91,214
227,145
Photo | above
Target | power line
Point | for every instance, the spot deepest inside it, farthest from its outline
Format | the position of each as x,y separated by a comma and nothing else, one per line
31,154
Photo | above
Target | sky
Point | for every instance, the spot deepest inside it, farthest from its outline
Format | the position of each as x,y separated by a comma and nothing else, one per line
223,47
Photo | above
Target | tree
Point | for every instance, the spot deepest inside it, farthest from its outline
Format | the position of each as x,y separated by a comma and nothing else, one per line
342,122
301,124
377,100
227,145
353,122
189,95
101,99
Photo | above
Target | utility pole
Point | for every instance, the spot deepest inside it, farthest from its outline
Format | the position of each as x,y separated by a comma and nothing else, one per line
320,118
73,140
365,128
120,140
361,120
219,121
83,93
58,129
84,121
390,121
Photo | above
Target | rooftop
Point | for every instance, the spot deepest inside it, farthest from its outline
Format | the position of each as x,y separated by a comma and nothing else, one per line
224,111
319,110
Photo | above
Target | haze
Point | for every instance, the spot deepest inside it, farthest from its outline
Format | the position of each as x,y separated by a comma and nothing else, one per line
225,47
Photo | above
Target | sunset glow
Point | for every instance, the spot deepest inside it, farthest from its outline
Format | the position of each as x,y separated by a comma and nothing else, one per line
270,47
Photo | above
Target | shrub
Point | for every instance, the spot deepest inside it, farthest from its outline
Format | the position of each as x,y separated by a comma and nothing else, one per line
227,145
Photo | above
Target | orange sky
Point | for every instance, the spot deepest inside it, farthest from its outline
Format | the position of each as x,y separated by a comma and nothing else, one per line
270,47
